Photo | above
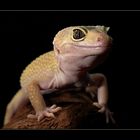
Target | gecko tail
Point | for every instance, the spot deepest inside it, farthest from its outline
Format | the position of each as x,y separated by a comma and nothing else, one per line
19,99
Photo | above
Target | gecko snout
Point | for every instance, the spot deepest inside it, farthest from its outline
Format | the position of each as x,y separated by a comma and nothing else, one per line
103,39
99,39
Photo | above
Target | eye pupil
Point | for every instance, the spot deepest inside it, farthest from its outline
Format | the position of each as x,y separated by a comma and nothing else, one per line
78,34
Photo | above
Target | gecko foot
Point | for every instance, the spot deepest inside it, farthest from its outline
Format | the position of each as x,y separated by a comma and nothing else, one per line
108,113
48,112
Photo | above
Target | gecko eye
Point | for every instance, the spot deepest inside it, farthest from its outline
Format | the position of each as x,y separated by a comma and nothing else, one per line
78,35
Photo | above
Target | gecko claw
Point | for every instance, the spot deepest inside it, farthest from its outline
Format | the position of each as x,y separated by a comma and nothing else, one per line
108,113
48,112
31,116
40,117
53,106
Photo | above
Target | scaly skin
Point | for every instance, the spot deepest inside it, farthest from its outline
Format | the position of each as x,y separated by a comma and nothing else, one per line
76,50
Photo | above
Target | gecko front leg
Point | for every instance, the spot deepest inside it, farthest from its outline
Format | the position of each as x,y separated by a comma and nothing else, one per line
98,87
38,103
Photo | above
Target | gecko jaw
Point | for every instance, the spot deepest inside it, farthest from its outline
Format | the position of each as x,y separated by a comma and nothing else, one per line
98,46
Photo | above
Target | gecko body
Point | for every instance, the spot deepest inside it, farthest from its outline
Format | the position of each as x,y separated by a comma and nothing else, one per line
77,49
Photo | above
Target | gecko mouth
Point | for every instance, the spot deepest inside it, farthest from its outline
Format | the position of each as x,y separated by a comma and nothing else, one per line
96,46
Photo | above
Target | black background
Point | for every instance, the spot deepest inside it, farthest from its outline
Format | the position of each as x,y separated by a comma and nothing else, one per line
24,35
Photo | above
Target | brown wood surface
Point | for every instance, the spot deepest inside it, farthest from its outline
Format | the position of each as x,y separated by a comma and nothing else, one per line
77,112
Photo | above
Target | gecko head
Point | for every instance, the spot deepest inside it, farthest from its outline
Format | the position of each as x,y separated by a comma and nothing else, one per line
82,41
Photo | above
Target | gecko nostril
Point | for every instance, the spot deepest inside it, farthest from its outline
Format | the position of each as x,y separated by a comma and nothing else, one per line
99,39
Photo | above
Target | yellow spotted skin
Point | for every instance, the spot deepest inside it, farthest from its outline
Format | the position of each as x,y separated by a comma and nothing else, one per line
77,49
39,69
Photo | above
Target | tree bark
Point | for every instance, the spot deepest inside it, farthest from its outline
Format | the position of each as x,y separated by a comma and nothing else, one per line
78,112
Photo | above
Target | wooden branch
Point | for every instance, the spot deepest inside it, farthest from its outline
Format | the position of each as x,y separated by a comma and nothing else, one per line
77,112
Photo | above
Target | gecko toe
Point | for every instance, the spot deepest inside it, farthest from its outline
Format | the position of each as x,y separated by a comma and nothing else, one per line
48,112
53,109
97,104
56,109
31,116
40,117
53,106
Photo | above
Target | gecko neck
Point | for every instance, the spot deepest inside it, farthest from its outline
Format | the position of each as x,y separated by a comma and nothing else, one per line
76,67
72,69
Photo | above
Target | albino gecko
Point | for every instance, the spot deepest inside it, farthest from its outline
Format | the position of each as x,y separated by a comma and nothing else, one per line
77,49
